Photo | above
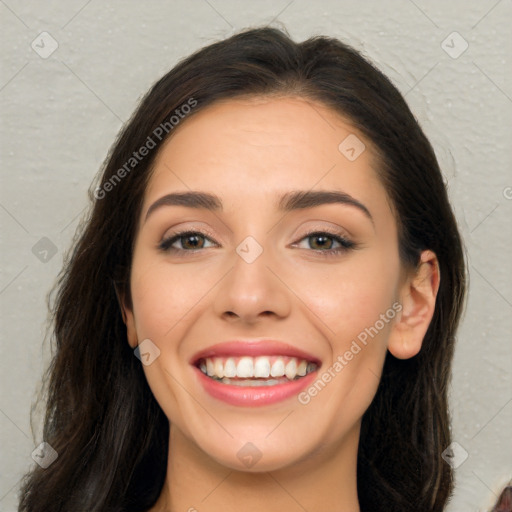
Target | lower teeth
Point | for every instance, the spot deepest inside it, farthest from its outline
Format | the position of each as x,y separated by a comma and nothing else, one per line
254,382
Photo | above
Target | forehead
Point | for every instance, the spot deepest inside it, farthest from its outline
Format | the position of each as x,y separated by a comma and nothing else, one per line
264,145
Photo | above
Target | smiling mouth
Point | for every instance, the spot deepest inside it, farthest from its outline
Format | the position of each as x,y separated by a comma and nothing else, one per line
255,371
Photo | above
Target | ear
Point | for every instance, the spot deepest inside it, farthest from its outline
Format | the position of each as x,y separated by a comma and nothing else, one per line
418,298
128,318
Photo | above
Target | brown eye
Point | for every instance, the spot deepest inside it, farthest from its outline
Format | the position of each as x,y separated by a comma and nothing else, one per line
189,241
324,242
321,242
192,241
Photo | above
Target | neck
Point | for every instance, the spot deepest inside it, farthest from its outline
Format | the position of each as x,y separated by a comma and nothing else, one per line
325,480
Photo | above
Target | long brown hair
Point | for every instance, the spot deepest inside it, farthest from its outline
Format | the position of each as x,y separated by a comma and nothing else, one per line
108,430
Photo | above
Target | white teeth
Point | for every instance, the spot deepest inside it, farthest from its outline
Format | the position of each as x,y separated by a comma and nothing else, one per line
244,368
226,368
262,367
277,369
210,368
291,369
301,369
251,383
230,367
219,368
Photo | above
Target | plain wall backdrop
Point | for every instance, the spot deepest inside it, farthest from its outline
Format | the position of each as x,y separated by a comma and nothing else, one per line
72,74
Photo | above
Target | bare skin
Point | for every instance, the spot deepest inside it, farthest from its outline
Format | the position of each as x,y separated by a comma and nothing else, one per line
249,152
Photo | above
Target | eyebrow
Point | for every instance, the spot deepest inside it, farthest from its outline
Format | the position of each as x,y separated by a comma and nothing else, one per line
294,200
199,200
301,199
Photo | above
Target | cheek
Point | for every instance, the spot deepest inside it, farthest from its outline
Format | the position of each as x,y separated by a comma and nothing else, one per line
357,302
165,297
351,296
163,294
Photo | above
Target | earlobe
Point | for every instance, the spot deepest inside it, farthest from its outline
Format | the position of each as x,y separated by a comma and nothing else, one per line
131,331
128,318
418,299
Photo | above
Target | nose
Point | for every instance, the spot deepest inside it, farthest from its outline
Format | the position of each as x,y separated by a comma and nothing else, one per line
252,291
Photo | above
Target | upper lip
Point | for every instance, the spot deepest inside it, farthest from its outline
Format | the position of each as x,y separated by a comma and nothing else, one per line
253,348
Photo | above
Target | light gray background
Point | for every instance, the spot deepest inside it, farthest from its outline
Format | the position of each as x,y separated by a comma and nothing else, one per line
60,115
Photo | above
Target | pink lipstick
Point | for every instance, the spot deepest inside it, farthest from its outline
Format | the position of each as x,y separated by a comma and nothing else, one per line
254,372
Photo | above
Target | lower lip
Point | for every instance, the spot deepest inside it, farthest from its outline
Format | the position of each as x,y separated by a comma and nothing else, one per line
253,396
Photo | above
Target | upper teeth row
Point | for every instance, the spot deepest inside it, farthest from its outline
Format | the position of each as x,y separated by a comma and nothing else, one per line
261,366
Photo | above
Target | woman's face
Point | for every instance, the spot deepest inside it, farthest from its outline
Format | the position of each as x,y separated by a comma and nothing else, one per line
274,278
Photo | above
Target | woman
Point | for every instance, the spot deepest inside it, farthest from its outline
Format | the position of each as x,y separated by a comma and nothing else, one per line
260,311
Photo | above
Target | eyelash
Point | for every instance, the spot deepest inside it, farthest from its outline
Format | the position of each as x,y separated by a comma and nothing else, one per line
345,244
